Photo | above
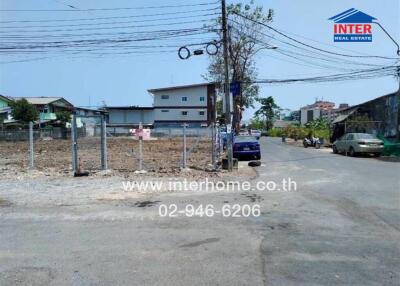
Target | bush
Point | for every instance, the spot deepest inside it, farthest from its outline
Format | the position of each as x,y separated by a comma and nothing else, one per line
275,132
300,133
303,132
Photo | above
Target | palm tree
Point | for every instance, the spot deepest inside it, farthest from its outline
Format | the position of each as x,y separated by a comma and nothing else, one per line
269,110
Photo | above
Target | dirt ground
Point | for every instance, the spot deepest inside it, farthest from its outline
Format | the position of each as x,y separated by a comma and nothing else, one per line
54,156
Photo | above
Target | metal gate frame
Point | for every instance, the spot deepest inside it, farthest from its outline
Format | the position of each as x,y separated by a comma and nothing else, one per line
75,147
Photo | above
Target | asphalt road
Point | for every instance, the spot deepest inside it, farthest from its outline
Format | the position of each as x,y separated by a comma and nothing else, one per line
340,227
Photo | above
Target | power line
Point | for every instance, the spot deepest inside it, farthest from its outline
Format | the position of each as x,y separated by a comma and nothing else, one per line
109,28
361,74
308,54
107,23
32,47
130,35
109,9
114,17
307,45
324,44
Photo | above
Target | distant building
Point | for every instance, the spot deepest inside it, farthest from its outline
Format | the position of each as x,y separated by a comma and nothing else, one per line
295,115
83,111
130,116
331,114
314,111
5,109
191,104
320,109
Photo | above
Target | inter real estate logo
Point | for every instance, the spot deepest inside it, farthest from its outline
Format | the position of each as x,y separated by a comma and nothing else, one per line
352,26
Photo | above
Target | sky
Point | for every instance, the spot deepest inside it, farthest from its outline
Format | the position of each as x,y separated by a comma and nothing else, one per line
87,80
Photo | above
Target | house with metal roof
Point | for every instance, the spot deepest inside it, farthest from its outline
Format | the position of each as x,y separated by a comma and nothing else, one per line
5,109
48,106
379,116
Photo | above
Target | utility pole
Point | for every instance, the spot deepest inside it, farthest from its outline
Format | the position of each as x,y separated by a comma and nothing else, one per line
228,120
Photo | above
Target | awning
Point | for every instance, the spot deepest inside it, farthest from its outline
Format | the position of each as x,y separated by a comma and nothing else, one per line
342,118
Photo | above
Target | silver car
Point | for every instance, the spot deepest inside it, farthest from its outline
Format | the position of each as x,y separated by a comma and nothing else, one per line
357,143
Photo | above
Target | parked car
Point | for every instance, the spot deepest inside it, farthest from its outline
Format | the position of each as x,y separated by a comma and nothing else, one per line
357,143
246,147
256,133
243,132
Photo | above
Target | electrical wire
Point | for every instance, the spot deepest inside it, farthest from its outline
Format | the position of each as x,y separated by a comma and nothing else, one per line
307,45
362,74
114,17
306,56
105,23
108,28
110,9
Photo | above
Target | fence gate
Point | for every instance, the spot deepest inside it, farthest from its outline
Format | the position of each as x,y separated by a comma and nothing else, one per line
89,146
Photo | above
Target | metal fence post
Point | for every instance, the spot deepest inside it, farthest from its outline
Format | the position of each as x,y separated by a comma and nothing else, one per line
184,146
213,141
31,154
103,143
74,137
140,146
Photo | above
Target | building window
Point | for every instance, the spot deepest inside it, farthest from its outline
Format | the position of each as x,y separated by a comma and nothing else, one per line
164,110
201,113
184,113
202,99
164,96
184,99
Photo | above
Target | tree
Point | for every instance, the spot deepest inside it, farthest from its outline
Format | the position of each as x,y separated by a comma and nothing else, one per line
318,124
244,42
64,117
268,111
257,123
22,110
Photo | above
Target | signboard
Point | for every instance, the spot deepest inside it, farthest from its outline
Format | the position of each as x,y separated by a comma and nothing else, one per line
235,88
144,133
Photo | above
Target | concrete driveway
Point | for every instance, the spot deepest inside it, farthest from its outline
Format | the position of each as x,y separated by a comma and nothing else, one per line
341,226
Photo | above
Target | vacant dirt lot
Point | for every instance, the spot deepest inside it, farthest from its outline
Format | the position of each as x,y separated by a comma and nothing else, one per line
54,156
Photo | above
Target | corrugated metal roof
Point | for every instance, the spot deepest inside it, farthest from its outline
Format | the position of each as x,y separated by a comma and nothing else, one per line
372,100
39,100
343,117
5,98
42,100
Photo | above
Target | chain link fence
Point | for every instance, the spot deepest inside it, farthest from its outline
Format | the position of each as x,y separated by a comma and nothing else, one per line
88,146
43,149
164,151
